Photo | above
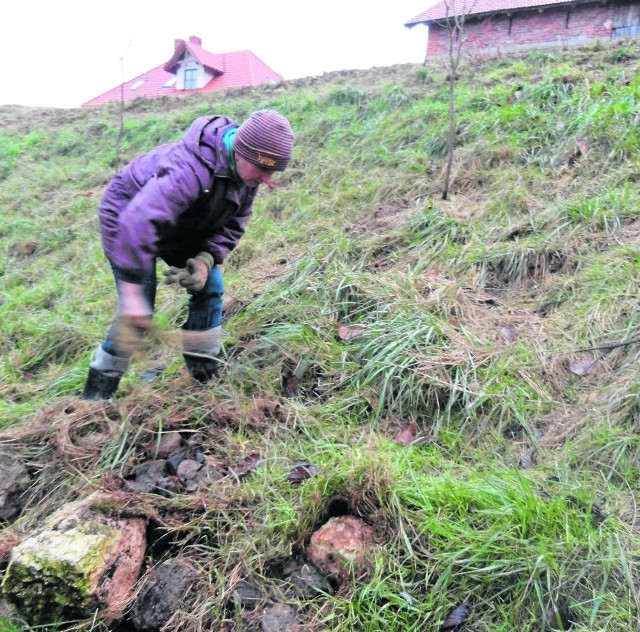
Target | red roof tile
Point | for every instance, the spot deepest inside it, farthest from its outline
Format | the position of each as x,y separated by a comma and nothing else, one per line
448,8
233,70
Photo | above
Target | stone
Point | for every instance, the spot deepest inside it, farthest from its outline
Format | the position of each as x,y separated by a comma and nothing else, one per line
80,561
173,462
188,469
194,475
339,545
196,439
170,443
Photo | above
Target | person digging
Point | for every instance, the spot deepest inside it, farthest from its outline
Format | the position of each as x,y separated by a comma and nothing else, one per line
187,204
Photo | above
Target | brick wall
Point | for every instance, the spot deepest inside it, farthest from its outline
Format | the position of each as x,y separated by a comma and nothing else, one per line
528,29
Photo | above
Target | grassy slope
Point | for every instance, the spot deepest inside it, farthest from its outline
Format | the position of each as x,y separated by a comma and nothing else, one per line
471,311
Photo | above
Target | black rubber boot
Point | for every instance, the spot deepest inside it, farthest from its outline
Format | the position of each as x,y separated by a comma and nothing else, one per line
201,369
100,384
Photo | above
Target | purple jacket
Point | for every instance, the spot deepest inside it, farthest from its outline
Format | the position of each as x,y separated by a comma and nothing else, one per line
175,201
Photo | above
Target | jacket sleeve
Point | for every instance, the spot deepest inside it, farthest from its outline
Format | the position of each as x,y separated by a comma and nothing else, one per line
227,238
157,206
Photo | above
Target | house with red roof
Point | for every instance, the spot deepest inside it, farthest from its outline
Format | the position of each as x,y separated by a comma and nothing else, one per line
503,25
192,69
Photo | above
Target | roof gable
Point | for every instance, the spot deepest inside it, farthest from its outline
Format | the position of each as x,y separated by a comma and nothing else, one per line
237,69
449,8
210,61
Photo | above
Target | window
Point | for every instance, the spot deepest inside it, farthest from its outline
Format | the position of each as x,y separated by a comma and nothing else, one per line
190,77
136,85
169,82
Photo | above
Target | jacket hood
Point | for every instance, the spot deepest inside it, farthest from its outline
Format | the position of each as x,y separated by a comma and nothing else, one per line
204,139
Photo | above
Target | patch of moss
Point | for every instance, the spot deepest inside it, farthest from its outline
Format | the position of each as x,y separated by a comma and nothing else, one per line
50,575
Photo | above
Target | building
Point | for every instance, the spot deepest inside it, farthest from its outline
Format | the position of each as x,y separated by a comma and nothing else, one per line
192,69
504,25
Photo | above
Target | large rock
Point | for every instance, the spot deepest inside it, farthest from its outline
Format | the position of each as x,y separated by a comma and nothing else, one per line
81,561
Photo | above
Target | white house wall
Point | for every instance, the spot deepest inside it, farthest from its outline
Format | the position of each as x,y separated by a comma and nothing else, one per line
189,63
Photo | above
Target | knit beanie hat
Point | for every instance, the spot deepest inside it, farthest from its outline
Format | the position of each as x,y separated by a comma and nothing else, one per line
265,139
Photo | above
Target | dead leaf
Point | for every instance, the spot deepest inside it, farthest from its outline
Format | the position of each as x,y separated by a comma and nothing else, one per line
152,374
507,334
349,332
598,515
559,615
406,434
584,367
290,386
456,616
581,149
302,471
247,464
527,459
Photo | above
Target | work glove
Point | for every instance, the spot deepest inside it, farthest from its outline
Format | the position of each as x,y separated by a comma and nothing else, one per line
192,277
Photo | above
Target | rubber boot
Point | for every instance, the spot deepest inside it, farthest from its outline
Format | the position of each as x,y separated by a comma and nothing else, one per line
100,384
201,369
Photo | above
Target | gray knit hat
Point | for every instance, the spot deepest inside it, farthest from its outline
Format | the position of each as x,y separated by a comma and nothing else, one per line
265,139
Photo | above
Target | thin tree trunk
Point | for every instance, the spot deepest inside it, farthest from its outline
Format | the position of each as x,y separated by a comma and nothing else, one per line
452,118
455,26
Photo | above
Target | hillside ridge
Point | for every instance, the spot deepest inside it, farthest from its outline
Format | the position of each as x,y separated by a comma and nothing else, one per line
459,375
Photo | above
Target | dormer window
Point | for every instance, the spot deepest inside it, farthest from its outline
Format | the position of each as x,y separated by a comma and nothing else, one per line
190,79
193,69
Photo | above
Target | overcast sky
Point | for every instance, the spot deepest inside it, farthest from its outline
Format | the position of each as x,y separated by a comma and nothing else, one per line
61,53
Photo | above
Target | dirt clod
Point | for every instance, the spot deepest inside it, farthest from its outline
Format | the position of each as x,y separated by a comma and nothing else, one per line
246,596
163,593
14,481
279,618
308,581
